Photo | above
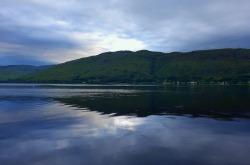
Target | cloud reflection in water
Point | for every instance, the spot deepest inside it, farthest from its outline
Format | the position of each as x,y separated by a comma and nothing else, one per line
44,130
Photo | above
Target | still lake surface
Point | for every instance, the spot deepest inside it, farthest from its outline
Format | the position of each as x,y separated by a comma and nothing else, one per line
123,125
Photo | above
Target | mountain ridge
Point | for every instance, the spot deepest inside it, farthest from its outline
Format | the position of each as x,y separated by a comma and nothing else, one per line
10,72
232,65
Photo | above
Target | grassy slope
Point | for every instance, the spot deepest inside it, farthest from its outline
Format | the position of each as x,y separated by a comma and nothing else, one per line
213,65
146,66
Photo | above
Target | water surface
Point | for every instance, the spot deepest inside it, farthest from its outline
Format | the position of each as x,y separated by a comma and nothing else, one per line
94,124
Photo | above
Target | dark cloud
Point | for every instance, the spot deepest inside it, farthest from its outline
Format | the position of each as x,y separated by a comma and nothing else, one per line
192,24
45,32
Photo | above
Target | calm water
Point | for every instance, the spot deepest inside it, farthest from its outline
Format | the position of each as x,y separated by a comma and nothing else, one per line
123,125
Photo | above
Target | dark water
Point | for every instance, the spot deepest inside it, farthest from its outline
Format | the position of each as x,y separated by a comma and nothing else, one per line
76,125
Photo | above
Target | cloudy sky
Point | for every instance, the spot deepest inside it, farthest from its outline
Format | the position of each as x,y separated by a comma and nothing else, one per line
53,31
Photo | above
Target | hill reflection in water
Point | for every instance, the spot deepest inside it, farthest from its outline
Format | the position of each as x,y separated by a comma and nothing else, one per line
217,102
124,125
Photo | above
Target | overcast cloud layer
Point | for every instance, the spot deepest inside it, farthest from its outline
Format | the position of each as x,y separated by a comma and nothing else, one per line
54,31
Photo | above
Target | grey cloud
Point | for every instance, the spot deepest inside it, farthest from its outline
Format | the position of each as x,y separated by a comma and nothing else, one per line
41,29
181,26
19,59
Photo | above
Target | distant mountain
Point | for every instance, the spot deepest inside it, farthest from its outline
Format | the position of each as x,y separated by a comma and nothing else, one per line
15,71
232,65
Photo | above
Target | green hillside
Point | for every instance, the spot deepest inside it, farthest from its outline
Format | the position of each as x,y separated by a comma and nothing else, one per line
232,65
15,71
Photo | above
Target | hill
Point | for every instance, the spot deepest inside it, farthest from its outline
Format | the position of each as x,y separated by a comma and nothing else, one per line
232,65
15,71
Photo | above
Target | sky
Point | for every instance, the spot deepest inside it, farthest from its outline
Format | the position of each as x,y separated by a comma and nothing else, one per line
40,32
